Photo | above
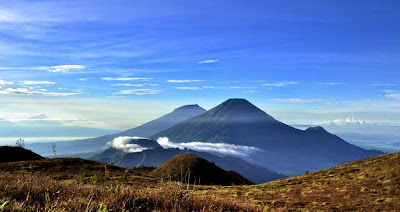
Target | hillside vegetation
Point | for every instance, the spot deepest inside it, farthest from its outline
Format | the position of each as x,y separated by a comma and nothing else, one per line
69,184
195,170
370,184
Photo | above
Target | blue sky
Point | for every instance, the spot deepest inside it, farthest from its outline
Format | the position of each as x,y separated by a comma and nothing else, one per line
118,64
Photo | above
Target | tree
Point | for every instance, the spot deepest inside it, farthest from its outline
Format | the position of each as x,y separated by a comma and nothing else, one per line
20,142
54,150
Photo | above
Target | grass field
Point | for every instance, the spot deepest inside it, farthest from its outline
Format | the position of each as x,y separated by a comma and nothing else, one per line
82,185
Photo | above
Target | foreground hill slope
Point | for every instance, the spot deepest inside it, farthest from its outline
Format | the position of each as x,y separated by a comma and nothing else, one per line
12,154
192,169
237,121
371,184
96,144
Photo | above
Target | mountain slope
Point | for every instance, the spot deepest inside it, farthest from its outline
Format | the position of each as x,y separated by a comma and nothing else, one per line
192,169
286,149
158,156
95,144
371,184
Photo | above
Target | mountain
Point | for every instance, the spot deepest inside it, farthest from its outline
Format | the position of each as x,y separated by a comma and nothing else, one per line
157,156
188,168
284,148
95,144
13,154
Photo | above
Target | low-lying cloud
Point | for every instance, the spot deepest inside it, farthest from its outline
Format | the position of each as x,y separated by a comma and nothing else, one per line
124,143
220,148
127,145
348,120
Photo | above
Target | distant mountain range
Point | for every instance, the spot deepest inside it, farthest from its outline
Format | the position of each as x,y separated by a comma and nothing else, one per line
284,148
96,144
235,122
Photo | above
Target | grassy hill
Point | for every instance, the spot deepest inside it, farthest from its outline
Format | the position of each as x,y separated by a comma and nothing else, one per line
192,169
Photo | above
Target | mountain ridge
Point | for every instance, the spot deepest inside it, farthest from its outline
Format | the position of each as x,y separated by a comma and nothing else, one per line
286,149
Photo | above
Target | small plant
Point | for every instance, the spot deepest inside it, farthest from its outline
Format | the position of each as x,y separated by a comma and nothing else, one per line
115,189
54,149
20,143
3,206
102,208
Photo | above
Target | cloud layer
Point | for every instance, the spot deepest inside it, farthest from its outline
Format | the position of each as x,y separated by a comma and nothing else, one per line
348,120
219,148
124,143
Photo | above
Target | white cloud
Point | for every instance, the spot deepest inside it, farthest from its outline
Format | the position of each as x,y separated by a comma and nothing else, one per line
189,88
330,83
384,84
29,91
208,61
2,82
124,143
184,81
240,87
208,86
280,84
36,83
392,94
300,100
139,91
65,68
348,120
221,148
83,79
127,85
55,69
8,16
124,78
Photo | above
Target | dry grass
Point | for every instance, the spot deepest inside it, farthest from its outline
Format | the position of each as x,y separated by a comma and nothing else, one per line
371,184
73,184
40,193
